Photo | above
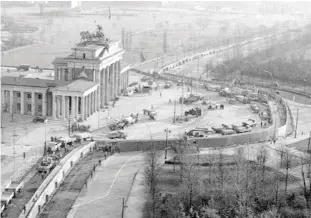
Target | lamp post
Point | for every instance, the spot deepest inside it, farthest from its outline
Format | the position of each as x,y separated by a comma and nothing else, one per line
271,78
304,88
167,131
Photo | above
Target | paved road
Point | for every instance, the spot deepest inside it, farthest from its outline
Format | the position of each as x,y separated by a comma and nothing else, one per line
103,197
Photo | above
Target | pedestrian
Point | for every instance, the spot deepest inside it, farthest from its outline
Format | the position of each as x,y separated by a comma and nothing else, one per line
42,176
160,94
105,155
99,162
261,124
91,174
52,139
24,208
86,183
94,167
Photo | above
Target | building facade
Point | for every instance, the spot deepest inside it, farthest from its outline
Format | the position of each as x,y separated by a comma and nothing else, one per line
84,82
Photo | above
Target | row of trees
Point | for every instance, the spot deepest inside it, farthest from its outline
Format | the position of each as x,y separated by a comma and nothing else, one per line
285,59
226,186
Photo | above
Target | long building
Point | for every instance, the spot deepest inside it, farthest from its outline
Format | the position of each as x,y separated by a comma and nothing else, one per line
84,82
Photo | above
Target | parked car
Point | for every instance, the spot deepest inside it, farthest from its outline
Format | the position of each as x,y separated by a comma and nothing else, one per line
217,129
23,67
227,131
39,119
199,132
242,129
116,134
129,120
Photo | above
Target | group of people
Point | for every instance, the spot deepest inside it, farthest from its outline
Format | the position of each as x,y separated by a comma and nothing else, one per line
110,149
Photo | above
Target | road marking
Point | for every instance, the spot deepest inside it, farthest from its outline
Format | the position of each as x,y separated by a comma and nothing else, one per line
111,186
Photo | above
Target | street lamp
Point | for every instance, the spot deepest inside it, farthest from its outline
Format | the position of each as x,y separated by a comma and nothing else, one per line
304,88
167,131
271,78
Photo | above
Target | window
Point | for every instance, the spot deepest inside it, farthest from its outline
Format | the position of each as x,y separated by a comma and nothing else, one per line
39,96
39,108
29,107
18,94
28,95
83,55
18,106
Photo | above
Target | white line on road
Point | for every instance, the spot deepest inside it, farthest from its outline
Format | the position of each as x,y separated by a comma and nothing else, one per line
111,186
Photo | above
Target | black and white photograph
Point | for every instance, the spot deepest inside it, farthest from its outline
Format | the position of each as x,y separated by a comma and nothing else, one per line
155,109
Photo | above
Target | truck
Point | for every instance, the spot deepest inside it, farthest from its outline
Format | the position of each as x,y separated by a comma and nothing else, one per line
53,146
47,165
6,198
83,136
14,186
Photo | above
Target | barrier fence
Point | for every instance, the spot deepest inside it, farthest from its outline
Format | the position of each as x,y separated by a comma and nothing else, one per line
53,180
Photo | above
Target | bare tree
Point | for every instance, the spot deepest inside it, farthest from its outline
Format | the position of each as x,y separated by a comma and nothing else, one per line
287,165
262,160
152,178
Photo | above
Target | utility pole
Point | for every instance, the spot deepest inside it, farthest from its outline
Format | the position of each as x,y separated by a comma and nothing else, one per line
123,206
309,144
174,111
98,117
296,123
69,125
167,131
14,158
198,73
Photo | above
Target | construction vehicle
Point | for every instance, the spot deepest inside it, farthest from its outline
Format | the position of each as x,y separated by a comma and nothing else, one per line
47,165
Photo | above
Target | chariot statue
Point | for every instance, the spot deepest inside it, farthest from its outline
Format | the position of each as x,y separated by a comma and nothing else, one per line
98,36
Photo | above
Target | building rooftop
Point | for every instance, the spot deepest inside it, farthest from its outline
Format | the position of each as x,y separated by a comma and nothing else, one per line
31,82
79,85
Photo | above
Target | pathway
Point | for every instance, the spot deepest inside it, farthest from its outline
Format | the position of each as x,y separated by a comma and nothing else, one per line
103,197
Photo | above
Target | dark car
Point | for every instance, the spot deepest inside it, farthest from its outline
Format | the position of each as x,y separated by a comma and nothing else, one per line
23,67
39,119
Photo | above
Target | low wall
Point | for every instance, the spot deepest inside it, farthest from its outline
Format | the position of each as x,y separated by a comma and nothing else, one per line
53,181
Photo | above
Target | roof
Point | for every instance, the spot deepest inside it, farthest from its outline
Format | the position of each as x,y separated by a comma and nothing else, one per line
79,85
31,82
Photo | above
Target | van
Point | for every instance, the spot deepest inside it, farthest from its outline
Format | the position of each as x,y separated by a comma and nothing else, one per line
116,134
